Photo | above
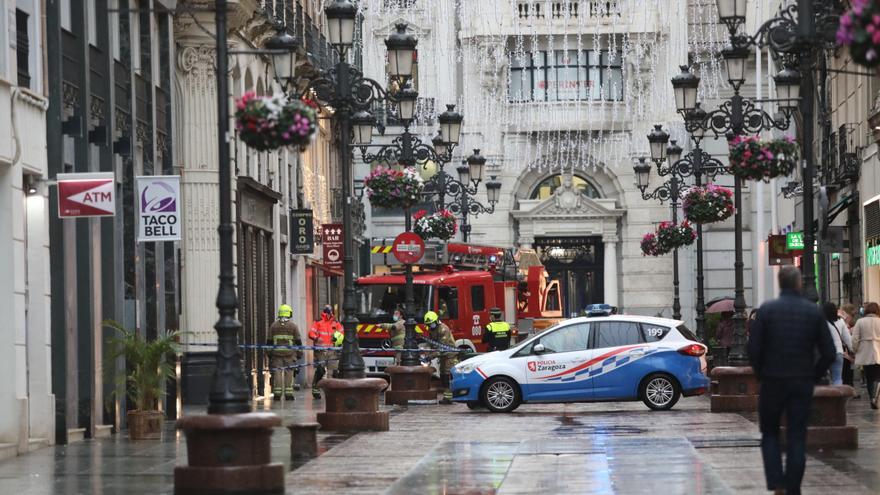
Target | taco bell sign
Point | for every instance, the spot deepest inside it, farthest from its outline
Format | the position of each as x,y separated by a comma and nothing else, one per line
159,208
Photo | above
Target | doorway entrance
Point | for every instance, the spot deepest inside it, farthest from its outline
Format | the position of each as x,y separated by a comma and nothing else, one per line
577,262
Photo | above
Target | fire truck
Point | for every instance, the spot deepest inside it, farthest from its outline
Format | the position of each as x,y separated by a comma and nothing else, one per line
461,283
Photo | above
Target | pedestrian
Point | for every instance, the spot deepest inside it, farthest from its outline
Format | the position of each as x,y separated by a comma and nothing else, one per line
396,333
497,332
848,312
438,331
866,344
782,351
284,332
842,341
326,332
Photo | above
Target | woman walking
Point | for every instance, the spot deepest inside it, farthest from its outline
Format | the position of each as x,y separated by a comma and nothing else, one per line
866,344
848,312
842,341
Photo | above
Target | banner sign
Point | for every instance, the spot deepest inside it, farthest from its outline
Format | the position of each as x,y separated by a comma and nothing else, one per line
158,208
302,232
794,241
333,245
86,195
872,255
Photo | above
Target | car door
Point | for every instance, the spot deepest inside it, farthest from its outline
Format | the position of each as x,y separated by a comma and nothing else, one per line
620,353
556,373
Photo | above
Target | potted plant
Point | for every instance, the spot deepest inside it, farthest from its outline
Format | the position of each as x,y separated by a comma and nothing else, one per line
268,123
148,365
675,235
441,225
708,204
394,189
752,159
650,247
859,30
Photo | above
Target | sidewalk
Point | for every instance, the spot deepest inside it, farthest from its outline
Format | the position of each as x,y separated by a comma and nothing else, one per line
577,448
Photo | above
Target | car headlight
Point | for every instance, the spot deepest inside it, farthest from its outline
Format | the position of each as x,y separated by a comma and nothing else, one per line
465,368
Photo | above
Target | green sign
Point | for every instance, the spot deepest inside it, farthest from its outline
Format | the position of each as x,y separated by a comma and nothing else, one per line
873,256
794,241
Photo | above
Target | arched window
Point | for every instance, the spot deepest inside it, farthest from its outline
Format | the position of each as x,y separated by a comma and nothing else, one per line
546,188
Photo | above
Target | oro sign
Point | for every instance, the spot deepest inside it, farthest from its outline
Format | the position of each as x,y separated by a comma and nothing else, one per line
158,208
86,195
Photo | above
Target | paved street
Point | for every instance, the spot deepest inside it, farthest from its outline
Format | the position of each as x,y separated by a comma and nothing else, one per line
579,448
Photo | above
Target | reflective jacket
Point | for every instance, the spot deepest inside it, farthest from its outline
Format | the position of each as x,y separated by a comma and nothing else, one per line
498,335
323,329
284,333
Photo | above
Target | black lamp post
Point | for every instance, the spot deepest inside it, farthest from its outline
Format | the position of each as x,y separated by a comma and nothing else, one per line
470,175
408,150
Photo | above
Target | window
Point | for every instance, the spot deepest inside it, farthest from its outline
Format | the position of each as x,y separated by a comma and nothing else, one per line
566,75
549,185
654,333
686,333
22,49
552,301
567,339
618,333
382,299
478,298
447,304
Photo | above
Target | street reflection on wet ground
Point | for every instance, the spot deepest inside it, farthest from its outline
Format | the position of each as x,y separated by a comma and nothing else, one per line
434,449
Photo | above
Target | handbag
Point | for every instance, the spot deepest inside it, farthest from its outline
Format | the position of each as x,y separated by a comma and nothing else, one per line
847,353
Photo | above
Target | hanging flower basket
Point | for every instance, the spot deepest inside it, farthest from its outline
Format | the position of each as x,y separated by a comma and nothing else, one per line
268,123
650,247
708,204
393,189
751,159
674,236
441,225
860,31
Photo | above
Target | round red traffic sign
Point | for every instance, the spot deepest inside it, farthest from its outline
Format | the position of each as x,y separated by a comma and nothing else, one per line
408,248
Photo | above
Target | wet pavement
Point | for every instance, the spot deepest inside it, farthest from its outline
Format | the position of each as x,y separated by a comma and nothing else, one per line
433,449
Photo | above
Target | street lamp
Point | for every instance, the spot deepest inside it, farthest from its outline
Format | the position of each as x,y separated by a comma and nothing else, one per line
441,147
406,104
283,48
657,140
642,173
341,16
362,123
685,87
735,59
450,124
475,164
788,88
493,190
401,53
732,12
464,173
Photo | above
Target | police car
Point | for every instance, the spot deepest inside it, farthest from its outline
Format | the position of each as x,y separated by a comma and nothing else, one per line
613,358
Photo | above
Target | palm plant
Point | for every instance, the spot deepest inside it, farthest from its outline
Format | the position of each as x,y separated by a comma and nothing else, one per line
149,363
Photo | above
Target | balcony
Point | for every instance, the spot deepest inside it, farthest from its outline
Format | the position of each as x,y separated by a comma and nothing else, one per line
841,156
568,9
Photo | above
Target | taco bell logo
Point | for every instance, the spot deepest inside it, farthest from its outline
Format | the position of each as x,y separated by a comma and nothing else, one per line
159,197
159,217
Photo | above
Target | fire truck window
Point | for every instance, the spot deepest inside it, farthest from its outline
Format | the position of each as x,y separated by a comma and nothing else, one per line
478,298
447,303
552,303
384,299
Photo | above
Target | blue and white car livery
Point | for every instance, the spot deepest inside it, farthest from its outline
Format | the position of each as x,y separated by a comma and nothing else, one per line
613,358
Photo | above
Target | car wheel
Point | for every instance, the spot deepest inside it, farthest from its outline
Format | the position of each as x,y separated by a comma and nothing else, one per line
474,405
500,394
659,392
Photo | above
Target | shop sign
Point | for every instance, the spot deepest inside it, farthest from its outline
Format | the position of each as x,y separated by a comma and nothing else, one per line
794,241
302,232
158,208
331,239
86,195
872,255
777,252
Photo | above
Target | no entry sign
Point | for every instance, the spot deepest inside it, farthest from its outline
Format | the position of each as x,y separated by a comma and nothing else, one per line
86,195
408,248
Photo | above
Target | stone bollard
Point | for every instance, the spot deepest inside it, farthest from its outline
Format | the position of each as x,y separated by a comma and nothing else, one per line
410,383
303,439
353,405
734,389
827,428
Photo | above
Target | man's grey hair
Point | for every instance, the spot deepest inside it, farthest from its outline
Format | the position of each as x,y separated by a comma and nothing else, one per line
790,278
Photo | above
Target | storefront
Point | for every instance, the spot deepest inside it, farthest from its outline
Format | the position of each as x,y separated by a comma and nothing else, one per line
872,249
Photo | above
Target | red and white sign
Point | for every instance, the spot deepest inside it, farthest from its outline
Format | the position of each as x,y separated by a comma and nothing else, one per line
86,195
408,248
332,241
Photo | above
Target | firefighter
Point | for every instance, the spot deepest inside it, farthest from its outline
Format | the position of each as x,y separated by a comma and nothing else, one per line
396,332
284,332
439,332
497,333
326,332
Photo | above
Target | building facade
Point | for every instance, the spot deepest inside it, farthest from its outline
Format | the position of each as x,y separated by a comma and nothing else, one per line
27,403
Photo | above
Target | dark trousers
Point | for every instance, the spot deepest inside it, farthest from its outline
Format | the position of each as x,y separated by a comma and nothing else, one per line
872,376
847,373
794,399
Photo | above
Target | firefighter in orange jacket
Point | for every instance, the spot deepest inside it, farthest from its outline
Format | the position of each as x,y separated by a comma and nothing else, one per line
326,332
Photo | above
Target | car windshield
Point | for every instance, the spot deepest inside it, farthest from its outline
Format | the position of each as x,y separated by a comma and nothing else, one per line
380,300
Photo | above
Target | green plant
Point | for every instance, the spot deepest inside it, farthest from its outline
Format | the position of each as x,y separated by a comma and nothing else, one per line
149,363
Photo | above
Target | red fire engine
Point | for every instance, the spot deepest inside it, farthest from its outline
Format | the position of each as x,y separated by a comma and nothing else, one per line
462,283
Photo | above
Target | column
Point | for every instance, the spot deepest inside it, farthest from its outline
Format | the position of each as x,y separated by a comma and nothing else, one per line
610,269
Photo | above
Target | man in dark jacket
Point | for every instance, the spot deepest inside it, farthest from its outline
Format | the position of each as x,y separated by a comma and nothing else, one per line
783,343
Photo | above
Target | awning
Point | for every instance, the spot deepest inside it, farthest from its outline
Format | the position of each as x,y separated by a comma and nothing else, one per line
839,207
